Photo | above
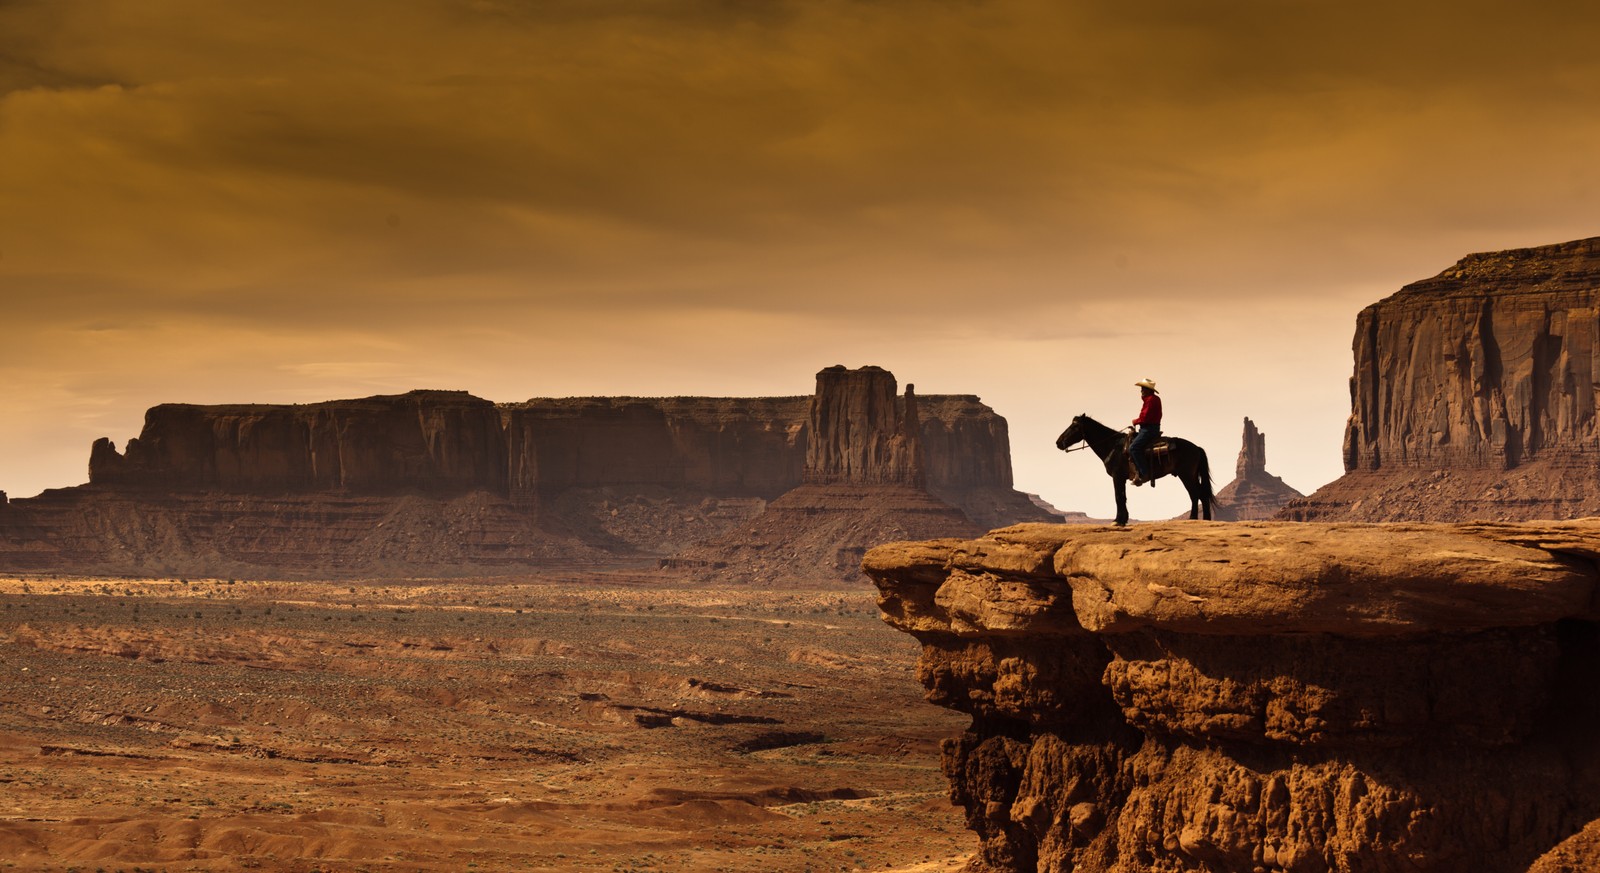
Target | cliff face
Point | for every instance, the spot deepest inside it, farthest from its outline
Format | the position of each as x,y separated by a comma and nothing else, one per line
434,442
1255,696
447,442
1254,494
863,485
861,431
733,446
1487,373
966,453
584,477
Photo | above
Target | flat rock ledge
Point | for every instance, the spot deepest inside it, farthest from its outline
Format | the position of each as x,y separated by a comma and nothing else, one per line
1255,697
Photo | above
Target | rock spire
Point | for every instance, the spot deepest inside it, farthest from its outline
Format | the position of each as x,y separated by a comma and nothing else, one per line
861,432
1254,494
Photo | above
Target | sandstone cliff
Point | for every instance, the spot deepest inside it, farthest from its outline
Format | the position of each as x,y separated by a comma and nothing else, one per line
449,442
585,477
433,442
1254,494
1474,394
1264,697
960,437
863,486
736,446
861,432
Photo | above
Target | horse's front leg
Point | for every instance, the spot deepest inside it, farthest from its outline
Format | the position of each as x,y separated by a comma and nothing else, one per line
1119,486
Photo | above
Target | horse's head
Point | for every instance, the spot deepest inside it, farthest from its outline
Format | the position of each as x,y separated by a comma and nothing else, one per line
1073,434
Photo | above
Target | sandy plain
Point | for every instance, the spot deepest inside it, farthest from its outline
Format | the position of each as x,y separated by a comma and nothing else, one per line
530,723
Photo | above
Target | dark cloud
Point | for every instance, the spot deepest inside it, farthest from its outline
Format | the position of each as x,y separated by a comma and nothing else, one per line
778,124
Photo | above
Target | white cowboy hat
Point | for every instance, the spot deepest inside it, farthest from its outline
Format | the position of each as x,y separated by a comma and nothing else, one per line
1146,383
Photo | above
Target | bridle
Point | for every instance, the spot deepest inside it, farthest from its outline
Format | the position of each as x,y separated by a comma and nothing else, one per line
1085,441
1082,439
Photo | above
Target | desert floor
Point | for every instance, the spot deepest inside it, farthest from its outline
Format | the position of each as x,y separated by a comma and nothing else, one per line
529,723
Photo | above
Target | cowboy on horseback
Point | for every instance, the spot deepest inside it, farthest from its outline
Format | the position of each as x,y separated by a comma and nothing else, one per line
1149,425
1184,459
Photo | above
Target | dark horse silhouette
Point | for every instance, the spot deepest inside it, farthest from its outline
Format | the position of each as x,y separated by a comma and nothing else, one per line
1188,463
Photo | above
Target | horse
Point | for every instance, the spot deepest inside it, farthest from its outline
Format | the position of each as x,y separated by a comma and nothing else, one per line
1188,463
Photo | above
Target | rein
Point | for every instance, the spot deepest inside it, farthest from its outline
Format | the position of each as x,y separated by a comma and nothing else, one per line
1096,436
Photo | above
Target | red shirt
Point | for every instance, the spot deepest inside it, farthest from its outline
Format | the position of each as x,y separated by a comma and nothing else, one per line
1150,413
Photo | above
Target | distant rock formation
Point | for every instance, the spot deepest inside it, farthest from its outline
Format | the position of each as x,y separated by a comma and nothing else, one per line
1254,494
1202,697
446,443
863,486
425,442
1474,395
305,489
861,433
1061,516
730,446
963,471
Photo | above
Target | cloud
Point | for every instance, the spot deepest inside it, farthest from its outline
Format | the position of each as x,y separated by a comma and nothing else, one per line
741,187
558,139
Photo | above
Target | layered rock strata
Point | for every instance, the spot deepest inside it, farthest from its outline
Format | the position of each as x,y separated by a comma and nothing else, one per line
864,484
449,442
585,477
964,478
742,447
1264,697
1254,494
430,442
861,432
1474,395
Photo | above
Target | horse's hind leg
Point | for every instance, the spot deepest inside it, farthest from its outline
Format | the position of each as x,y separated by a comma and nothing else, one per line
1195,498
1201,492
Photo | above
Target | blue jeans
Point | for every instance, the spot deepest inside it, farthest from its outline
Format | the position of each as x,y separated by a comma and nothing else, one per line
1141,441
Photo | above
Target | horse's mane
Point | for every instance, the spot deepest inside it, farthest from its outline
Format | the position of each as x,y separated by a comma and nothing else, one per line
1187,461
1097,426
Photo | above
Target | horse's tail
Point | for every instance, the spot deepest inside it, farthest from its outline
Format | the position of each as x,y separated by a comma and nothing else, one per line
1203,468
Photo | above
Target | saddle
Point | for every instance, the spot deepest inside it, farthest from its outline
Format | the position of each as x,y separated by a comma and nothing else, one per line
1158,457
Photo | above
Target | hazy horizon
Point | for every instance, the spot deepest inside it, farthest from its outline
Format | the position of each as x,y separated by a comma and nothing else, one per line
1038,203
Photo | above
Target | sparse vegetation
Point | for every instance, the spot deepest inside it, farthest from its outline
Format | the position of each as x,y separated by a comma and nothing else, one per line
294,714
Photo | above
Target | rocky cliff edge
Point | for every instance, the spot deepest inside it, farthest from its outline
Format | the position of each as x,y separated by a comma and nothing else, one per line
1264,697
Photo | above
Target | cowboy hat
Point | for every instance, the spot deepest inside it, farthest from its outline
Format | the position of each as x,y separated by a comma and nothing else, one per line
1146,383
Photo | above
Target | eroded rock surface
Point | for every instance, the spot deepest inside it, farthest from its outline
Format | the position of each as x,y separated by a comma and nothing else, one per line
444,482
861,431
1254,494
1264,697
865,484
433,442
1474,395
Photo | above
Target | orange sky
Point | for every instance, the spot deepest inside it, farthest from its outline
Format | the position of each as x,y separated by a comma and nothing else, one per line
1035,201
